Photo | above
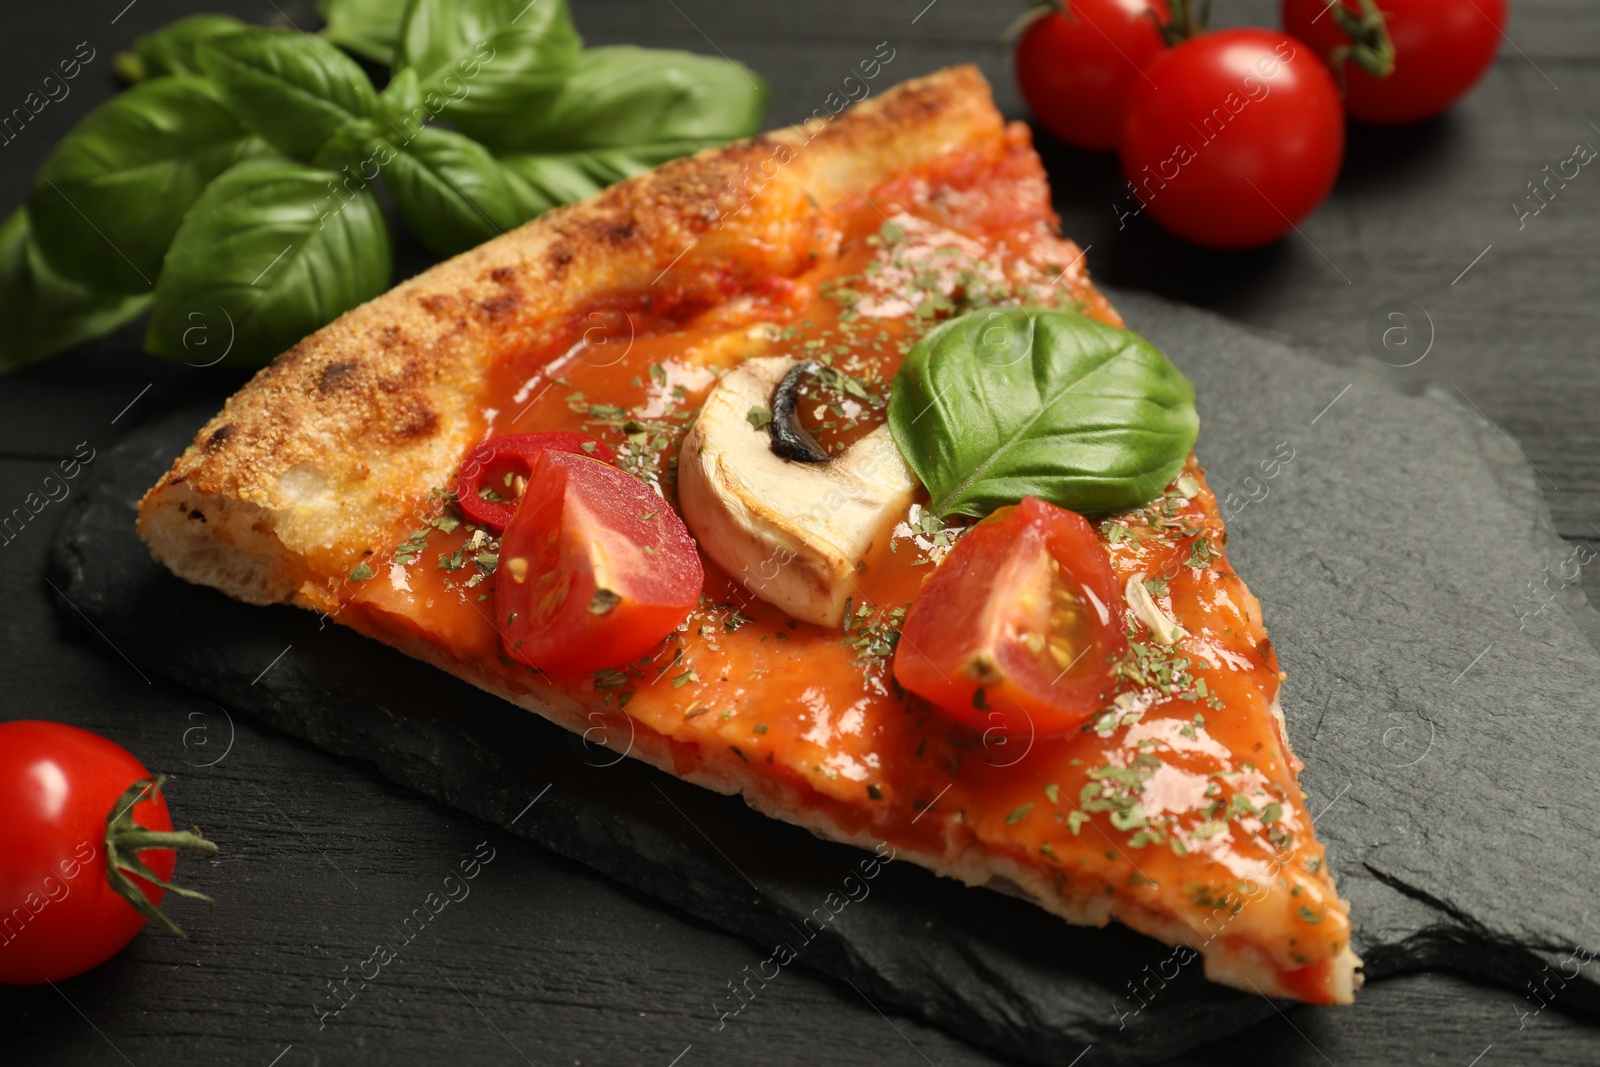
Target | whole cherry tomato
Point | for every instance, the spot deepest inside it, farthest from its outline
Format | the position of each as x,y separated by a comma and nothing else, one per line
1017,628
1440,50
1076,62
595,569
1232,138
82,816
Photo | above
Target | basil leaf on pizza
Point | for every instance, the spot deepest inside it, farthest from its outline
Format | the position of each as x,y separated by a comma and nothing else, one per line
44,312
292,90
480,63
449,188
110,196
633,97
1006,403
264,258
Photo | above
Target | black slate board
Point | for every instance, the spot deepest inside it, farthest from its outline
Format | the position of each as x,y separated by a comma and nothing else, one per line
1393,555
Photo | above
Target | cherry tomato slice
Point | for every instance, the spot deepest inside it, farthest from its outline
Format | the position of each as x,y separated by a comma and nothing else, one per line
1075,65
595,569
1441,49
1018,627
485,485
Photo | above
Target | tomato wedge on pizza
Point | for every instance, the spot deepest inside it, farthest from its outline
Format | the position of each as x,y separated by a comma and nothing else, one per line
816,466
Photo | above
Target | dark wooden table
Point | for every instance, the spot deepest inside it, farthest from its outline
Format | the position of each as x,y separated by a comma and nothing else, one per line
550,964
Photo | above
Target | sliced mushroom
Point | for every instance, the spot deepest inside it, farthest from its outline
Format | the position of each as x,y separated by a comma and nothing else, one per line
794,533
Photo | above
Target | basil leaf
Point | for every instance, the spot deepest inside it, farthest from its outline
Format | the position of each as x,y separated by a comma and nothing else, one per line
291,89
171,49
350,146
1002,404
481,62
110,196
43,312
369,28
401,101
541,182
448,187
623,111
272,251
627,96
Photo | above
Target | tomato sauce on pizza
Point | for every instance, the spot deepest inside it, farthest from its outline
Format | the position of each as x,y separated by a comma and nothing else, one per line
1179,791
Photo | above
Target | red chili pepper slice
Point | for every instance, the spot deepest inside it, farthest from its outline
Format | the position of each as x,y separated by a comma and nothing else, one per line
485,483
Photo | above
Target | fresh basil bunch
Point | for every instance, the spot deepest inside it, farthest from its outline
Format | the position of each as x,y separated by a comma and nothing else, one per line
233,188
1004,403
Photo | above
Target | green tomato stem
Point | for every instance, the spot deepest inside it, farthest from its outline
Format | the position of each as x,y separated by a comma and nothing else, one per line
1185,22
125,839
1370,47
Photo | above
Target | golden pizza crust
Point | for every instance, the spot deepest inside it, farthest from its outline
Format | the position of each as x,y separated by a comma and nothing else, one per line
317,459
324,450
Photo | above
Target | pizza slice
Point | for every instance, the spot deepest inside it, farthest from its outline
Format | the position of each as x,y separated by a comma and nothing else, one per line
695,460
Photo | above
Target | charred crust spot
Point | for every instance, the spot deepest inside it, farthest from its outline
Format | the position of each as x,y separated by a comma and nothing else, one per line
916,103
557,259
408,376
621,231
503,275
418,420
196,513
437,304
337,375
496,307
219,437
